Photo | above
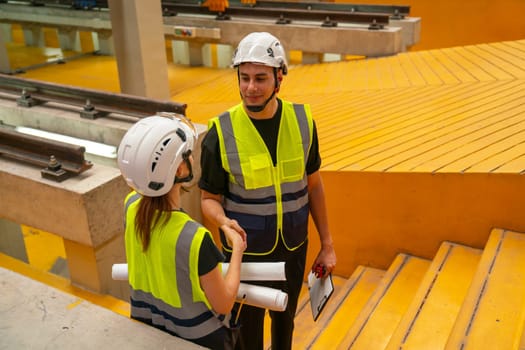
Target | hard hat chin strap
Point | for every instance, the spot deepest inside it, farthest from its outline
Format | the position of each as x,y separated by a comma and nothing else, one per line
259,108
186,158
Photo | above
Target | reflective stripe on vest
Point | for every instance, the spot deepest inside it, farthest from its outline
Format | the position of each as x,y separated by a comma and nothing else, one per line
264,198
179,308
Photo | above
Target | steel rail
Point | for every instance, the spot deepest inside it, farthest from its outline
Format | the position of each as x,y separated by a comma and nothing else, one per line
391,10
94,103
403,10
282,12
59,160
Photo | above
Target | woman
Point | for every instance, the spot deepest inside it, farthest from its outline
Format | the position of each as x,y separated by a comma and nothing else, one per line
173,263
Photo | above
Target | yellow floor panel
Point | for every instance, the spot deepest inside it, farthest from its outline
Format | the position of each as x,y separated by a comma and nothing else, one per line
409,133
494,65
441,140
448,141
42,248
444,75
21,56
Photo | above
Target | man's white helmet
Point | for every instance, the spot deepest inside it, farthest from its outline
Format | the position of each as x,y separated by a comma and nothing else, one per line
263,48
151,151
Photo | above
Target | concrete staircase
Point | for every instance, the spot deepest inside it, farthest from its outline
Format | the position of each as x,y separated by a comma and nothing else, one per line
464,298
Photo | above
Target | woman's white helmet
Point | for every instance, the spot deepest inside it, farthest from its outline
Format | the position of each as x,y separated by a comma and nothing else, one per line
263,48
151,151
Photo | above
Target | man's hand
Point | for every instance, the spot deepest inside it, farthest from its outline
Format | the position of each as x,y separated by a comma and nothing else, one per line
235,235
325,262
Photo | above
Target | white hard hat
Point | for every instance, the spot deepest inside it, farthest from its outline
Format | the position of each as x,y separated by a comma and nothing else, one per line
151,151
261,47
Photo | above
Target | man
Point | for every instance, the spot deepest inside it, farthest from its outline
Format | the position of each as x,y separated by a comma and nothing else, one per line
260,176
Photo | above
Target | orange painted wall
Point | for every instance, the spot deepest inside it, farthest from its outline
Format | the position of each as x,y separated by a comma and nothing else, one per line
447,23
374,216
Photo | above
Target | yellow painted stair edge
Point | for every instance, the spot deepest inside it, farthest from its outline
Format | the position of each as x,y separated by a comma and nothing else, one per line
379,318
361,285
433,311
492,315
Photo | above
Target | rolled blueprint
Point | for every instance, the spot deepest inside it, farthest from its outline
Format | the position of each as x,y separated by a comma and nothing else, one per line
249,271
259,296
263,297
260,271
119,272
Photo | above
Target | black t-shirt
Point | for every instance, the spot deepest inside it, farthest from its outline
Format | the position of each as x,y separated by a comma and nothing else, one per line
209,256
213,177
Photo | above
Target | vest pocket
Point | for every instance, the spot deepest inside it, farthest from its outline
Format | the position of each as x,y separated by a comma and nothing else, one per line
295,227
259,172
292,169
261,232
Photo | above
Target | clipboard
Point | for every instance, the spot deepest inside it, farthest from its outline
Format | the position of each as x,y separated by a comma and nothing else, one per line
320,290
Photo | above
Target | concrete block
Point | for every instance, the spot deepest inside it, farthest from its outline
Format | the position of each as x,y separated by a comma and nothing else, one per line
33,35
105,43
180,52
410,30
5,65
12,240
224,55
69,39
195,53
6,32
87,210
344,39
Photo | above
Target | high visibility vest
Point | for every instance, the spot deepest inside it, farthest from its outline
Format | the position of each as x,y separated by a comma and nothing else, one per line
164,280
268,201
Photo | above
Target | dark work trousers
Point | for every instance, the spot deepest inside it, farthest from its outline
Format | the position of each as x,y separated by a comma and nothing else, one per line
252,318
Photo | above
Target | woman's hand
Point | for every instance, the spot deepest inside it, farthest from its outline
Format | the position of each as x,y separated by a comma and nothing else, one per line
235,235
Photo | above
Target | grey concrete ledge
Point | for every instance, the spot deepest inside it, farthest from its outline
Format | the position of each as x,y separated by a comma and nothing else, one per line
36,316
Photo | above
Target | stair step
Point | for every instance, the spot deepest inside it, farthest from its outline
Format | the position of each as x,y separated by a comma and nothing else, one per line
380,317
305,329
357,291
431,315
492,316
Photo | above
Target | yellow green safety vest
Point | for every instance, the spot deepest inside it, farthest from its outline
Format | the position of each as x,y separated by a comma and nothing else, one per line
268,201
164,280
